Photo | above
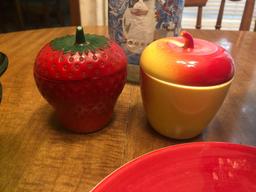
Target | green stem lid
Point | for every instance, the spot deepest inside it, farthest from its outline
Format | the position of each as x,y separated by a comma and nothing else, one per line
80,42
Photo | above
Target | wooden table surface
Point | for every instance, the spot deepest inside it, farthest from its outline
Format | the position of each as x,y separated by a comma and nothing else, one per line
37,154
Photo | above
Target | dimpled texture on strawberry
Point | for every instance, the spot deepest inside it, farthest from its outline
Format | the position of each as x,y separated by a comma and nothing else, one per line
57,65
82,81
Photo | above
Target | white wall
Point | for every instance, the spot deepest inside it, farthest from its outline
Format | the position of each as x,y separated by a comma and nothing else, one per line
93,12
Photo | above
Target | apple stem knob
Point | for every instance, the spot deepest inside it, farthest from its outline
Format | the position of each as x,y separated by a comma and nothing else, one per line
80,39
188,40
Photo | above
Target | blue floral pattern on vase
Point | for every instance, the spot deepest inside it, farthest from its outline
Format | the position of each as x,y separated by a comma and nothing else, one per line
136,23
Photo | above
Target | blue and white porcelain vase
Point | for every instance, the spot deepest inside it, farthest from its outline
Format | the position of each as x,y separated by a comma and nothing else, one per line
136,23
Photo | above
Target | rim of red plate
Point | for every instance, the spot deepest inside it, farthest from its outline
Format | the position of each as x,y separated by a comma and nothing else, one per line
144,157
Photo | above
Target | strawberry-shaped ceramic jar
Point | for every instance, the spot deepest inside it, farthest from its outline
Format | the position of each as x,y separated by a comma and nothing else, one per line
81,76
183,84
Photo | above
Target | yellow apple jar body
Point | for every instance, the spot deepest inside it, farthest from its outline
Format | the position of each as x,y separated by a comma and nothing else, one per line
179,111
184,81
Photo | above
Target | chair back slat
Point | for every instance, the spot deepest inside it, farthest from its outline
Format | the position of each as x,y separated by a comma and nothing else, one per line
245,21
247,15
74,10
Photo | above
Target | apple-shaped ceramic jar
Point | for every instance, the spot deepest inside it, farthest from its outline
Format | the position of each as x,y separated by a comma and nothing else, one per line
3,67
183,84
81,77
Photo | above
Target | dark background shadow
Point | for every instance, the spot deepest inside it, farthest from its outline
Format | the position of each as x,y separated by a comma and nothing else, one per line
19,15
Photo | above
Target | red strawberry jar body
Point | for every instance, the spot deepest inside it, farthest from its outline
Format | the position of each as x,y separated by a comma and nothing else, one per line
81,77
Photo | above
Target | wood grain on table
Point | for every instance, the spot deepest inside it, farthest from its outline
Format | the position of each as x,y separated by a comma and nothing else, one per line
37,154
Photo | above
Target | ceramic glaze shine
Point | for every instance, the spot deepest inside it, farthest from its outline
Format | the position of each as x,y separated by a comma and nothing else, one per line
183,84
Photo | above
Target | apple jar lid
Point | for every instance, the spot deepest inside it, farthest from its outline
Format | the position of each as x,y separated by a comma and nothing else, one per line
187,61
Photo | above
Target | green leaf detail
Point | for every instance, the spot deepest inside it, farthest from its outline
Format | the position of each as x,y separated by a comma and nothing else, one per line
68,43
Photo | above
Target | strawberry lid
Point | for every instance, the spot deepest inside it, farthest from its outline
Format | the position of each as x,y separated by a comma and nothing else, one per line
187,61
80,56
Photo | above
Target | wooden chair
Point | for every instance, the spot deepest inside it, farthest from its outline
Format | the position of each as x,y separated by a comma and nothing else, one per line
76,20
246,18
245,22
200,4
74,10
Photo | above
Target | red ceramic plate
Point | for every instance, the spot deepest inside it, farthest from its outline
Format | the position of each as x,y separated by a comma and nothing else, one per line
194,167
